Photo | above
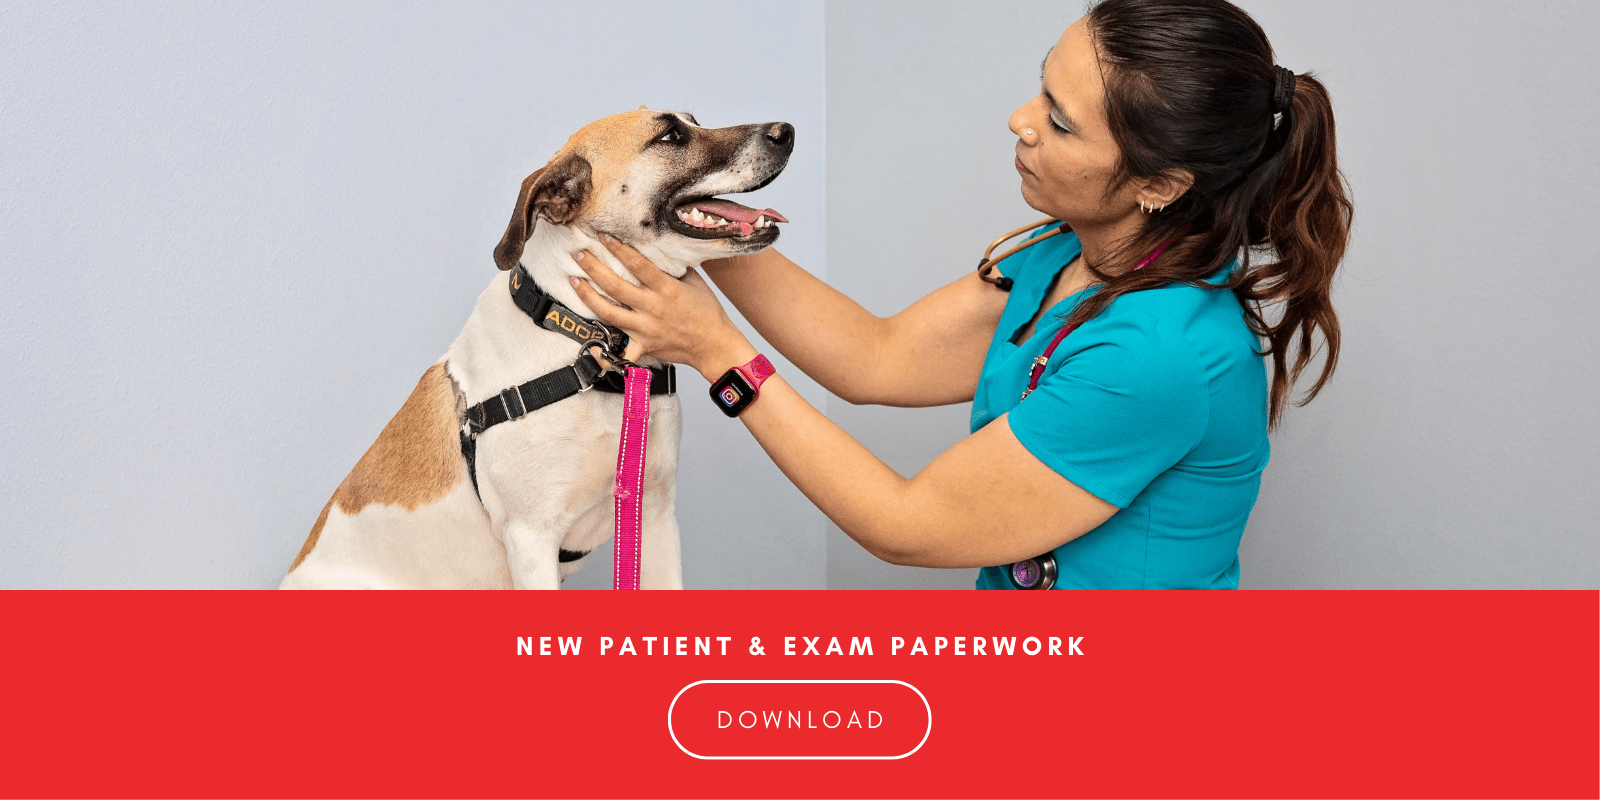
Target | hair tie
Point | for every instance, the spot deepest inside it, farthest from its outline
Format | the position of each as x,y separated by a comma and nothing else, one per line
1282,90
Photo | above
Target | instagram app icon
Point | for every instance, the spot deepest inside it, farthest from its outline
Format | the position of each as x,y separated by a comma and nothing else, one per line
729,396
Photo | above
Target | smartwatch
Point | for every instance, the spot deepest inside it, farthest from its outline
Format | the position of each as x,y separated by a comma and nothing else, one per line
738,387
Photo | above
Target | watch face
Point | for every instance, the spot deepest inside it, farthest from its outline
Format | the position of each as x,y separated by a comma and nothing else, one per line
732,393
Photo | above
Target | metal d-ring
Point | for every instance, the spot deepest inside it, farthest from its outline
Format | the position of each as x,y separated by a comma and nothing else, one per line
619,364
612,343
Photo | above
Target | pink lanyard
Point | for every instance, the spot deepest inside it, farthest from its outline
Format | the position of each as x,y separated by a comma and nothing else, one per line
629,494
1037,370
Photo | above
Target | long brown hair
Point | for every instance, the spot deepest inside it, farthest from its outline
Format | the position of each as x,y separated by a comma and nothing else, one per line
1192,85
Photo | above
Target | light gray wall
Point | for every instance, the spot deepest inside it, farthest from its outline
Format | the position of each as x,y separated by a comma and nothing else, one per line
919,181
235,234
1457,445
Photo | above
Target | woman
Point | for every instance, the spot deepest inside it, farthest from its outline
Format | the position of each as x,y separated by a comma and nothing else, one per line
1180,158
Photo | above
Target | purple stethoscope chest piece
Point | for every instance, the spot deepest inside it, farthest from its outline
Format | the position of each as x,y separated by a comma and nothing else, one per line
1038,572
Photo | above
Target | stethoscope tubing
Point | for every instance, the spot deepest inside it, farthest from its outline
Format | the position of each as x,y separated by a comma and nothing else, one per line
986,265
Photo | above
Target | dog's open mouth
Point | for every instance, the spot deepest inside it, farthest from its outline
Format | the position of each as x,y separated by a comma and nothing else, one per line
715,218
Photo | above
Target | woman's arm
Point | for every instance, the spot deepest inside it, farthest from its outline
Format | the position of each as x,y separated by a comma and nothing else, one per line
985,501
929,354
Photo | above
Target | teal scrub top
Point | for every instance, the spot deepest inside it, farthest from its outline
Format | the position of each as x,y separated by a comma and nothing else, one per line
1157,406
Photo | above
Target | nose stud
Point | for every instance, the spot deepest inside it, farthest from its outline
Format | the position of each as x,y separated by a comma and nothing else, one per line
1027,131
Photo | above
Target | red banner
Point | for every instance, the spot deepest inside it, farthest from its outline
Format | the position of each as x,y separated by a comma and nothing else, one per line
900,694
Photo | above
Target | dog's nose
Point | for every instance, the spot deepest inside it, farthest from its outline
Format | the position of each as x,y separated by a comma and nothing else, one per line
781,134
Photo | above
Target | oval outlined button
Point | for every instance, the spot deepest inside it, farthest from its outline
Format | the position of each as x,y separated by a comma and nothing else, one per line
861,720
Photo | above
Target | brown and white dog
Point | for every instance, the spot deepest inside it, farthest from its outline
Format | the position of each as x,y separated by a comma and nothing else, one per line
407,515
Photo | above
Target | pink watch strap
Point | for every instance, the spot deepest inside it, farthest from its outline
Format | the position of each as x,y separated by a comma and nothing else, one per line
758,370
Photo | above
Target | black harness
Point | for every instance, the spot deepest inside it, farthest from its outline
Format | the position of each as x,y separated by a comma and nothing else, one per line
580,376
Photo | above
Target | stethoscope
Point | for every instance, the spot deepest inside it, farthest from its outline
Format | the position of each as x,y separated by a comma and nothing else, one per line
987,265
1038,572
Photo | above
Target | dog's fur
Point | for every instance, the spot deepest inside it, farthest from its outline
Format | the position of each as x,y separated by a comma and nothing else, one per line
407,516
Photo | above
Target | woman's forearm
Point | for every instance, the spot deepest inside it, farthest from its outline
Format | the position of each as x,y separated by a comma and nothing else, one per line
826,334
985,501
926,355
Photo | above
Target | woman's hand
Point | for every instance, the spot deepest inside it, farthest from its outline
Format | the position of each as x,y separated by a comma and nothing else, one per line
672,319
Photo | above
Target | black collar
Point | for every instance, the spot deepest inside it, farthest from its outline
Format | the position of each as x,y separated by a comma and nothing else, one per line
582,375
551,315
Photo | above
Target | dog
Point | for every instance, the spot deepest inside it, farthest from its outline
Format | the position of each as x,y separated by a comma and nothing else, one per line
439,501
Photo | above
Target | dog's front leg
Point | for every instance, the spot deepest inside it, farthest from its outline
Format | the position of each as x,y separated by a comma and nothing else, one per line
535,500
532,552
661,552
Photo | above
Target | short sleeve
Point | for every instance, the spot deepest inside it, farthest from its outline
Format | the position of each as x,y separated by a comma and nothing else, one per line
1127,402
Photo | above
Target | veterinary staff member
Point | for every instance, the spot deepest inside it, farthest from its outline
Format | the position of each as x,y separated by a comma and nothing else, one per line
1162,128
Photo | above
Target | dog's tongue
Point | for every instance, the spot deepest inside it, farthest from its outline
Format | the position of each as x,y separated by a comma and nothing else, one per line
733,212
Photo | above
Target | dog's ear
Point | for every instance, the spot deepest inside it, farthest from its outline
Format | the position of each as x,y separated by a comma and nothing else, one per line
555,192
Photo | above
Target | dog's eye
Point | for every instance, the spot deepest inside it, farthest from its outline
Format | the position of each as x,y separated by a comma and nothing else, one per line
672,136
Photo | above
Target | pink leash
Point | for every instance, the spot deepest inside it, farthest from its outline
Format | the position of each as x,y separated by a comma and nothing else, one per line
1037,370
629,494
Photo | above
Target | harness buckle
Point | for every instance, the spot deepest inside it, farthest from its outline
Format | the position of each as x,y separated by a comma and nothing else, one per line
505,400
584,383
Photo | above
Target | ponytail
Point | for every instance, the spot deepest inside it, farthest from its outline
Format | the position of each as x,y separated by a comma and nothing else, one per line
1191,86
1306,223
